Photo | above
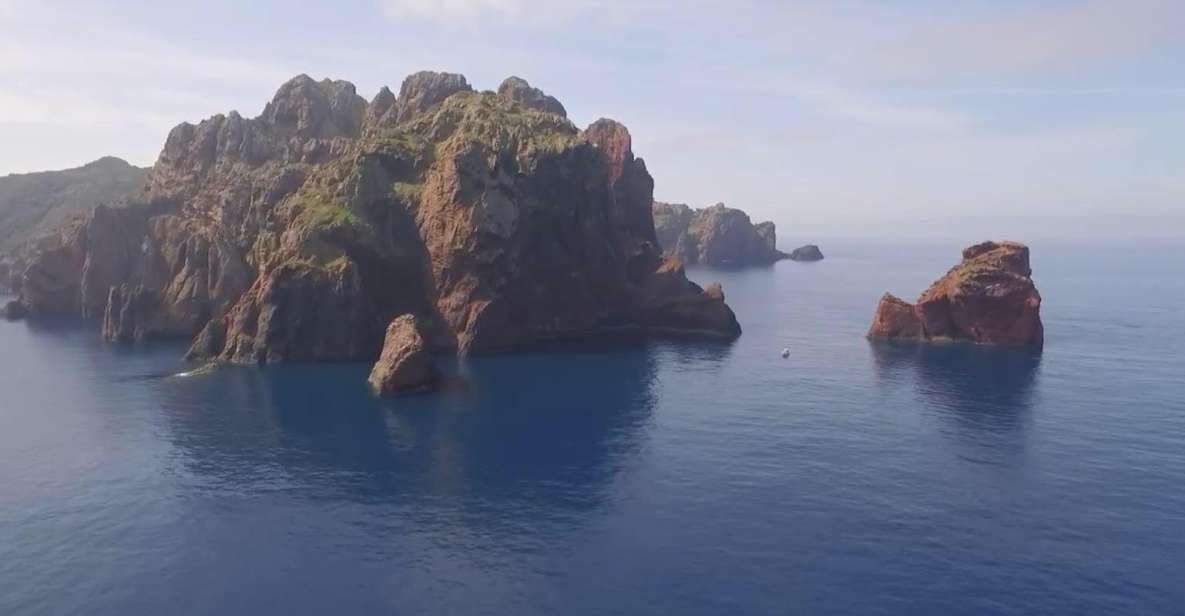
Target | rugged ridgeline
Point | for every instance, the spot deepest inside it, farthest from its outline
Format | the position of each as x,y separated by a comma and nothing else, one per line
988,298
36,205
716,235
720,236
302,233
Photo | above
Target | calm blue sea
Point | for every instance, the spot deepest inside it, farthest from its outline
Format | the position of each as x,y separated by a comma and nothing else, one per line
655,478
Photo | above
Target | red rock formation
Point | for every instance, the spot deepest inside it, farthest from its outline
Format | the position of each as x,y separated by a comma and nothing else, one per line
299,234
988,298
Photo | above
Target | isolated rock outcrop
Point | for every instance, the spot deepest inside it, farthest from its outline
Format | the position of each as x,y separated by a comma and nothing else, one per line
717,235
301,233
405,364
988,298
810,252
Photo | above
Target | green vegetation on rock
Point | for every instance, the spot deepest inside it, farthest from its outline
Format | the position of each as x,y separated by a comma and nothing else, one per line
35,204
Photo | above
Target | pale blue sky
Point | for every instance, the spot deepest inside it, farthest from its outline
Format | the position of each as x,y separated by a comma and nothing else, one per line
831,117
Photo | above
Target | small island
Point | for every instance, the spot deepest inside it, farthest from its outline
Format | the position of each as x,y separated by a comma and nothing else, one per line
988,298
720,236
810,252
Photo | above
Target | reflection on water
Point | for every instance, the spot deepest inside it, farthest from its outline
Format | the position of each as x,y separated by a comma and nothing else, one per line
980,388
551,428
672,477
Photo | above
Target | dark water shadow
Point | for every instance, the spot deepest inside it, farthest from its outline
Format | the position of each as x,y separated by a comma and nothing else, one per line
707,355
59,327
979,388
552,427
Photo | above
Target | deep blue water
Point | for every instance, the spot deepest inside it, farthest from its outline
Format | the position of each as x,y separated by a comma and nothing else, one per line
655,478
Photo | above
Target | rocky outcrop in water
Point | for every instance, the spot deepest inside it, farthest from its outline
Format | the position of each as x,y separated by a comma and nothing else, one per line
405,364
300,234
988,298
810,252
716,236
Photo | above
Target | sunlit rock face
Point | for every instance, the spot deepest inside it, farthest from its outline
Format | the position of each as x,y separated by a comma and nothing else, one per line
301,233
988,298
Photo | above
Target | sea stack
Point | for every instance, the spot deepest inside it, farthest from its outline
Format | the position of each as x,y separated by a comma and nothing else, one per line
988,298
405,365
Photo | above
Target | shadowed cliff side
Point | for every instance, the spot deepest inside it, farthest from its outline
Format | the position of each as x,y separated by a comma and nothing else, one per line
715,236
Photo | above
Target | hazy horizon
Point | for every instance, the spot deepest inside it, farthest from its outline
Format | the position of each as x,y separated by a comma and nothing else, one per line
843,119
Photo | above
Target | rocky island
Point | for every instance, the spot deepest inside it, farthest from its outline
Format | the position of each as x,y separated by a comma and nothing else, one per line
988,298
303,233
809,252
719,236
716,236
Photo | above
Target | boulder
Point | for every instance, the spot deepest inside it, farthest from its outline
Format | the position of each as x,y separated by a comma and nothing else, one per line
988,298
405,365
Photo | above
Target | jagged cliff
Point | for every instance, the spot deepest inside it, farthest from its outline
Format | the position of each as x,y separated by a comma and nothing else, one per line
300,234
33,205
717,235
988,298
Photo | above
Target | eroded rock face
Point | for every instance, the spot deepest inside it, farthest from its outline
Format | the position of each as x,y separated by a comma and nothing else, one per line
299,234
716,236
896,319
312,109
518,90
988,298
810,252
405,365
426,89
35,205
132,314
299,311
